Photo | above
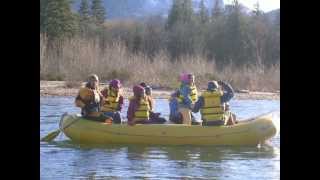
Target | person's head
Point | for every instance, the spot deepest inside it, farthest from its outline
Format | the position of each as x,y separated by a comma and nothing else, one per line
93,81
138,91
148,90
213,85
187,78
115,85
190,78
184,78
143,84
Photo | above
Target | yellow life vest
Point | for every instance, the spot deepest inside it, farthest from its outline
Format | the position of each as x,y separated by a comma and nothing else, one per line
142,113
193,95
88,95
212,110
111,103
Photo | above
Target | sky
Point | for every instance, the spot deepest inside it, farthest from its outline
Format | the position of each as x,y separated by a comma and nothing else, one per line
265,5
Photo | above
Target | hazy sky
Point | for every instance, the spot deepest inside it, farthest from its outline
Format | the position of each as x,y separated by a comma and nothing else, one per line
265,5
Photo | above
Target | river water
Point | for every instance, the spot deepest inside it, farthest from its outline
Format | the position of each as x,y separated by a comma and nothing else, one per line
63,159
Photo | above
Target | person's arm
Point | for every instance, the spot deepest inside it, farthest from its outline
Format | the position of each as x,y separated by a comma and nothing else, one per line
120,104
199,104
79,103
228,92
130,112
151,102
104,92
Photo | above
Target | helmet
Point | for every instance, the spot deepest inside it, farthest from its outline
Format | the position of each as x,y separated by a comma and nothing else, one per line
190,75
93,77
115,83
184,77
137,90
143,84
212,85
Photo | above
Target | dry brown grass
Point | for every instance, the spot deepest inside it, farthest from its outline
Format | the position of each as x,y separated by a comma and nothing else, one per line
81,57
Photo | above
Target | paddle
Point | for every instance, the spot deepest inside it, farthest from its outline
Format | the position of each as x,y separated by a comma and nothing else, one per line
52,135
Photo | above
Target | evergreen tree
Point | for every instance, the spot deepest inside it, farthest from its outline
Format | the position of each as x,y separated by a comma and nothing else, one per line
187,14
56,18
84,11
256,11
181,12
84,16
98,12
43,15
203,13
234,44
217,10
174,13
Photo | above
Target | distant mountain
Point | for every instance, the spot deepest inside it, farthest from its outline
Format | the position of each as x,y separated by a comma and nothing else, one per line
117,9
273,15
139,9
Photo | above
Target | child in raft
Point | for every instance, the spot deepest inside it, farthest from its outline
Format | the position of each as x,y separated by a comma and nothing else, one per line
139,108
113,100
182,101
155,117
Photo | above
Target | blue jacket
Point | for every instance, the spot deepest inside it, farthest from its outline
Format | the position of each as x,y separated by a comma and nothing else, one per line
173,105
185,91
228,94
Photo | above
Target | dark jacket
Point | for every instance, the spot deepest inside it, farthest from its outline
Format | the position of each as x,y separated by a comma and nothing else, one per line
228,94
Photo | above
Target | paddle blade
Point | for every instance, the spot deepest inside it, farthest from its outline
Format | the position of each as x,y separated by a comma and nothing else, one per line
51,136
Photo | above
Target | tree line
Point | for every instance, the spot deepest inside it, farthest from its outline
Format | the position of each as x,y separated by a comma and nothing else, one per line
226,36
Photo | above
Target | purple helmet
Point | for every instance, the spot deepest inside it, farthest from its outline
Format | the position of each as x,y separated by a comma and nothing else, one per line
115,83
137,90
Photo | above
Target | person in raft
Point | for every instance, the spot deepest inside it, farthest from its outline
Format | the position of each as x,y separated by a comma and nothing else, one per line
154,117
139,107
113,100
89,100
175,116
212,104
187,95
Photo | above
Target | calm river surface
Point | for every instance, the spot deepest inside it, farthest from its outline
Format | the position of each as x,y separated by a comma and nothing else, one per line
63,159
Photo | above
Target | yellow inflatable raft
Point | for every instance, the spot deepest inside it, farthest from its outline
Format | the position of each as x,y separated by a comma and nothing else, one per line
247,132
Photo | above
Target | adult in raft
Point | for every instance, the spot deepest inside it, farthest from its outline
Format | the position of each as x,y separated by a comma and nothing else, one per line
212,104
187,95
113,100
89,99
154,117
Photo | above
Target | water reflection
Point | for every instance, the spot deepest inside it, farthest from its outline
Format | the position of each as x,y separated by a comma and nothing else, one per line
64,159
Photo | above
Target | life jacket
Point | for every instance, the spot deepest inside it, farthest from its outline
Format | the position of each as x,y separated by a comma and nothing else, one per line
142,113
193,95
213,110
89,100
111,103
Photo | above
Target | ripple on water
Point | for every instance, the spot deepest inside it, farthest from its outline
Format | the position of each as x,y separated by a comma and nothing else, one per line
63,159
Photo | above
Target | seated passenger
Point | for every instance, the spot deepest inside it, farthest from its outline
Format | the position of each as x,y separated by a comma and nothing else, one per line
187,96
154,117
89,99
211,104
139,107
113,100
175,116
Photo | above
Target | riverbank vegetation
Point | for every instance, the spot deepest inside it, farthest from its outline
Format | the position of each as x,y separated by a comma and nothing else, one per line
228,44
